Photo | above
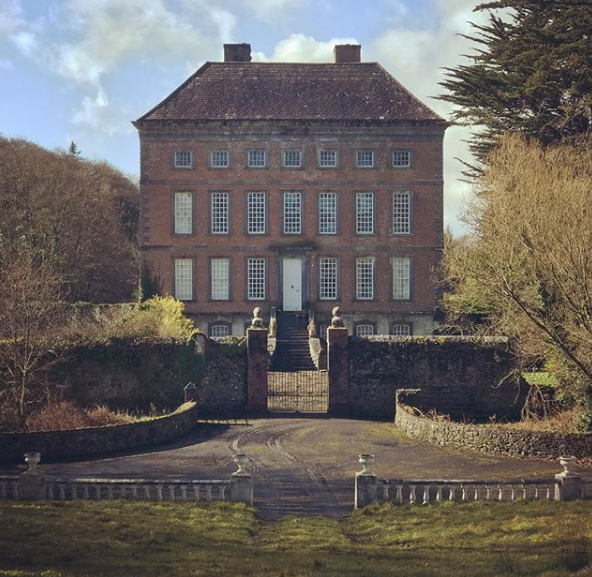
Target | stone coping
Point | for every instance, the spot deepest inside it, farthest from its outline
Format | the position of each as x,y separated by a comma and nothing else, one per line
489,438
72,444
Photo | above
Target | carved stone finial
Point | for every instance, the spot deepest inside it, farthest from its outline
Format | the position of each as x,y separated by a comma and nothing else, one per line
337,320
242,462
257,321
32,459
366,460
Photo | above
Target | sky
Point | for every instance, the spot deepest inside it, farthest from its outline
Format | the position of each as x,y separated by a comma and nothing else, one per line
82,70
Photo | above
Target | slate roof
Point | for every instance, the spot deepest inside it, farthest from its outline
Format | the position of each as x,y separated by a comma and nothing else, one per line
286,91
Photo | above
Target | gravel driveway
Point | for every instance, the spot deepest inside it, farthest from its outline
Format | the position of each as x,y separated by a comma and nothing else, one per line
305,466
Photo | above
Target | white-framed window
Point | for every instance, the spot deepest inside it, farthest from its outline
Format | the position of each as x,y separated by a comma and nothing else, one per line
401,212
292,158
256,213
365,278
256,279
401,278
365,158
220,279
364,330
399,330
292,212
257,158
219,212
364,213
219,331
328,158
327,278
322,331
401,158
327,213
184,279
183,212
183,159
219,159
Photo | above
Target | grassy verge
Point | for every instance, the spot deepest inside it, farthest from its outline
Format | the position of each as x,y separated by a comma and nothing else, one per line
122,538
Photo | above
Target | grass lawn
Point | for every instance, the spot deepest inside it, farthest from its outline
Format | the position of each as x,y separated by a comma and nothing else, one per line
146,539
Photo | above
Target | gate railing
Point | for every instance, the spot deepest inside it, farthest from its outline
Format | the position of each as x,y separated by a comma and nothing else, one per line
297,392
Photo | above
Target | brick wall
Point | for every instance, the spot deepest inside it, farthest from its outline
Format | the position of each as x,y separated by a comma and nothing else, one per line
160,181
458,376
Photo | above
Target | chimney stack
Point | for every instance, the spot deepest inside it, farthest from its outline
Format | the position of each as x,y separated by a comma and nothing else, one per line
237,52
346,53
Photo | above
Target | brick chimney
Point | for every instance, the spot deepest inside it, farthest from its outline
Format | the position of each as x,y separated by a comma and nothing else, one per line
237,52
345,53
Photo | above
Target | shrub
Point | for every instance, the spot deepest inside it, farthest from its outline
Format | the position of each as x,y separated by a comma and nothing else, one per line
156,317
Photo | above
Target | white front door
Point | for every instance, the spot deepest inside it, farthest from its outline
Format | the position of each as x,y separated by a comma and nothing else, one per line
292,284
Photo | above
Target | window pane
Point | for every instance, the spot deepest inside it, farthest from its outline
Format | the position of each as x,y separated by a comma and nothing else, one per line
219,158
327,158
292,158
364,212
219,331
328,278
256,213
256,279
402,278
183,279
365,158
365,278
257,158
219,212
400,330
183,212
401,212
292,212
328,213
401,158
220,268
364,330
183,159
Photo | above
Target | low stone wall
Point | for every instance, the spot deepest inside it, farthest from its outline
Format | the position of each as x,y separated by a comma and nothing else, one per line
78,443
459,376
488,438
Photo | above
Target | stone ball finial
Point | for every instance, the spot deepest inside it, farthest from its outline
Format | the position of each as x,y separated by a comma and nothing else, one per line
257,321
337,320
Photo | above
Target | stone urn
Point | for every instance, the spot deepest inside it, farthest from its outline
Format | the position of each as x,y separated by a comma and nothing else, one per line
568,463
366,460
242,461
32,459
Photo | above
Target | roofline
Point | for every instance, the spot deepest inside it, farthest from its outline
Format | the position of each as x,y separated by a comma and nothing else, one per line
198,72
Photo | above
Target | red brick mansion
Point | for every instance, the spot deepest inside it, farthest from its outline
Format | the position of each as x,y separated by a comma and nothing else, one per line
296,186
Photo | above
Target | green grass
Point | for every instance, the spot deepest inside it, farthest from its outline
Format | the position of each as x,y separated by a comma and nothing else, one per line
146,539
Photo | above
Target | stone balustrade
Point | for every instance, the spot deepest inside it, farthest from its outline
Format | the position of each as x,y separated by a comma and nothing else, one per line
33,484
369,489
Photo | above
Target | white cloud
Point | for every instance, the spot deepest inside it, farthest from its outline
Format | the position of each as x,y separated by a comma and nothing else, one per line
11,16
301,48
97,113
6,64
416,58
272,10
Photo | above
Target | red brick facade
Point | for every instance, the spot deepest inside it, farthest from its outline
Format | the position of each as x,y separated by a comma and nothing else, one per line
416,235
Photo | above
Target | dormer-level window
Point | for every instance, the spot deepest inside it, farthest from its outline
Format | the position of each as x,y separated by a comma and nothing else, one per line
365,158
219,159
327,158
292,158
257,158
401,158
183,159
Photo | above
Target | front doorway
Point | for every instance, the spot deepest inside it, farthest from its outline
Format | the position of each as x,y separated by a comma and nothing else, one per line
292,284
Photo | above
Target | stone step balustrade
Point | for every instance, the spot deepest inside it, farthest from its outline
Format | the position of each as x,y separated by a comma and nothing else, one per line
34,485
566,486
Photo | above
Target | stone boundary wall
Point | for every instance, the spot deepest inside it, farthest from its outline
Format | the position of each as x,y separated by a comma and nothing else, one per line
77,443
459,376
488,438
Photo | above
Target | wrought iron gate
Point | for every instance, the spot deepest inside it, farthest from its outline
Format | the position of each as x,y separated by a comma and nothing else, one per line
297,392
